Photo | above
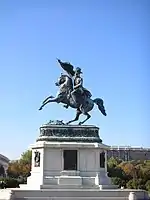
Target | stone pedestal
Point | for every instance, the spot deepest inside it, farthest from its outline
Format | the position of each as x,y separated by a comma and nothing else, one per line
67,156
69,163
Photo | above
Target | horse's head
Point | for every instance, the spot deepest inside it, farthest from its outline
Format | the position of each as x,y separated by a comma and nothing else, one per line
65,82
61,80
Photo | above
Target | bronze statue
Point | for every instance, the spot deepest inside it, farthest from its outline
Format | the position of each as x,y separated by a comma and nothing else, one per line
73,94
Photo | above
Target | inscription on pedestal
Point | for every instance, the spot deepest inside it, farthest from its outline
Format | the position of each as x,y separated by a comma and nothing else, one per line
70,159
102,160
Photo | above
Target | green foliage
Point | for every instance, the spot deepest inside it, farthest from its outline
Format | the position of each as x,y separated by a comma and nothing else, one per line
147,185
26,157
22,167
117,181
113,162
136,184
116,172
9,183
131,174
132,184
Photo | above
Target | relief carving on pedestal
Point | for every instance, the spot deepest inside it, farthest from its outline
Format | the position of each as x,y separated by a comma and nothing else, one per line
37,159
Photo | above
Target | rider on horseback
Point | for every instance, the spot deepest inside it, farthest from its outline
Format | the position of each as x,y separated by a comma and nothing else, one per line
79,93
73,94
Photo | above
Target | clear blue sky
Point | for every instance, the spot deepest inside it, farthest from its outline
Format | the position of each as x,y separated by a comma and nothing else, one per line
108,39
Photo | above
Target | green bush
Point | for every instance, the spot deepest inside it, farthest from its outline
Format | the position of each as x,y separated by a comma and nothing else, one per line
148,185
118,181
135,184
9,183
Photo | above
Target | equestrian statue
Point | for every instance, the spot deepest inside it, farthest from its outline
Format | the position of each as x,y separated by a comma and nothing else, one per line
73,94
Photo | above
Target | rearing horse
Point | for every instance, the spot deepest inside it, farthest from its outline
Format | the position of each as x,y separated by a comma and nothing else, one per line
66,87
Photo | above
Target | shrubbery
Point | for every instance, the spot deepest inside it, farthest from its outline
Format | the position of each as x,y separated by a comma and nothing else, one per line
17,172
131,174
9,183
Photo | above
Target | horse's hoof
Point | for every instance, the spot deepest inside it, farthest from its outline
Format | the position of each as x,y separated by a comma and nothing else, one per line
40,108
80,123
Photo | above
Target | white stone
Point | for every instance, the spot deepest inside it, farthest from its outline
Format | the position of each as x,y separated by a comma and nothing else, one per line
72,194
51,172
132,196
7,194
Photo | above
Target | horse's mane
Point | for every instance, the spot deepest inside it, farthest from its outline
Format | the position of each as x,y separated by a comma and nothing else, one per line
70,79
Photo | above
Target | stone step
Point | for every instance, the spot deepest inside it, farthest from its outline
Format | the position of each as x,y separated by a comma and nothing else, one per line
47,186
77,194
73,198
72,194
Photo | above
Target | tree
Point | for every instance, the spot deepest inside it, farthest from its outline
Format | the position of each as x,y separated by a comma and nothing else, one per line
130,170
133,184
130,174
26,157
113,162
22,167
118,181
114,170
14,169
147,185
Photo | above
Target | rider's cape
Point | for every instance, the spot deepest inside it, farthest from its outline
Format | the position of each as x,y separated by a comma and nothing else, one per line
67,67
87,92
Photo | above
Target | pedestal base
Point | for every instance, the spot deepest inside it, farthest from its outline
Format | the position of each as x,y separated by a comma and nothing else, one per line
73,194
70,180
67,156
50,172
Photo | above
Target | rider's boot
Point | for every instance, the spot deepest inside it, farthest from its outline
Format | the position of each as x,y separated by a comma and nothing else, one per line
68,97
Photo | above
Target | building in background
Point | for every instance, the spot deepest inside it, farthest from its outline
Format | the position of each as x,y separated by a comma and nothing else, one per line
4,162
127,153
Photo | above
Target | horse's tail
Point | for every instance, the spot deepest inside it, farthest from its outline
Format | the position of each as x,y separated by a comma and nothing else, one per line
99,102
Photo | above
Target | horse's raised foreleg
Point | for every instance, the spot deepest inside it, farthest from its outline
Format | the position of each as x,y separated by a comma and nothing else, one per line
76,118
88,117
49,97
49,101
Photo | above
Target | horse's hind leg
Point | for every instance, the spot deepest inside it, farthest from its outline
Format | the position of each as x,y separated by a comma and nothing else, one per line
76,118
88,117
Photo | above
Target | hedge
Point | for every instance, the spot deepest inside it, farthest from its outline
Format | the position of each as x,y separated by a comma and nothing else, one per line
9,183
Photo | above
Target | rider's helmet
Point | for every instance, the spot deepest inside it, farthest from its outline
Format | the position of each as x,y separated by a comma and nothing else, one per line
78,70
